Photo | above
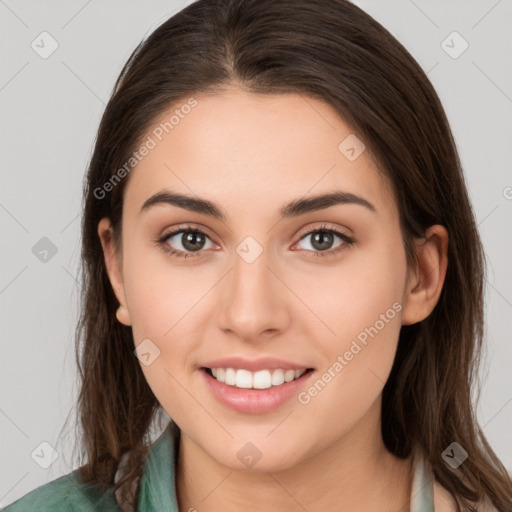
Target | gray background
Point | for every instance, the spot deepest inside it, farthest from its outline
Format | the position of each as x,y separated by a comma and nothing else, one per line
50,113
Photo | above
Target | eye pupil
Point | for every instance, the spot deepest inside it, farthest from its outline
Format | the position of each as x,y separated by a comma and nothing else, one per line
322,240
191,238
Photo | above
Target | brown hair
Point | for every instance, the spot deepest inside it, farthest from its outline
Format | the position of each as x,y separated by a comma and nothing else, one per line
333,51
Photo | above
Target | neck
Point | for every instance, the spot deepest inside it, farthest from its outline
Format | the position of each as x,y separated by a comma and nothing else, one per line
354,473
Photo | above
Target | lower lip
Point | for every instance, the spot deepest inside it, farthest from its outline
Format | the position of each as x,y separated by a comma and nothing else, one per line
254,401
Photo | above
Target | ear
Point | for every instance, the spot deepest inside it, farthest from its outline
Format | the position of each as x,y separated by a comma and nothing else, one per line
425,284
113,266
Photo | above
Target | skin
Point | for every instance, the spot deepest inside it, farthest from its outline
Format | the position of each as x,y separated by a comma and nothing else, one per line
239,150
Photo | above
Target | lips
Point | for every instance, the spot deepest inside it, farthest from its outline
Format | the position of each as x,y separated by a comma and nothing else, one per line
260,398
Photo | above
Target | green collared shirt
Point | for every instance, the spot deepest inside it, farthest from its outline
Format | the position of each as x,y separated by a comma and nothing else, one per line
158,489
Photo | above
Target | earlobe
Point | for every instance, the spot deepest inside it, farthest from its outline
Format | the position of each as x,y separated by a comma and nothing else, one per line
123,315
113,269
424,288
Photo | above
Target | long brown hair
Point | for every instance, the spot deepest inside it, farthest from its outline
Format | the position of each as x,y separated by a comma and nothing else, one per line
333,51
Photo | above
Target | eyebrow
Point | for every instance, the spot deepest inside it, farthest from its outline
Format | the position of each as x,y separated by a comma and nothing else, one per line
292,209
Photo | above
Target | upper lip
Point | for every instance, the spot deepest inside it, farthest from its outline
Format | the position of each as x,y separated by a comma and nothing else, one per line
254,365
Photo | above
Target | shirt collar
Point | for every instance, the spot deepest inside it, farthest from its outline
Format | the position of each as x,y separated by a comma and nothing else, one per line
422,492
158,481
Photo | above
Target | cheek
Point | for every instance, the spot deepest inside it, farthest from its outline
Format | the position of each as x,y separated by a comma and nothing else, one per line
166,307
361,305
364,289
161,293
357,365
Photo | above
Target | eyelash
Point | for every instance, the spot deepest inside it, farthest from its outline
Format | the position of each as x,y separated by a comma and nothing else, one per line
162,242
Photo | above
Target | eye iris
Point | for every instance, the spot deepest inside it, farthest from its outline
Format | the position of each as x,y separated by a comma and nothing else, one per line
322,240
189,239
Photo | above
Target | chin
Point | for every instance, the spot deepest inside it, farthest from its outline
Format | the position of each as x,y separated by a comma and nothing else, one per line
256,454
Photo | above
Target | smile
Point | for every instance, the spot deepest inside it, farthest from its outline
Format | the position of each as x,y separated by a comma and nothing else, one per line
255,392
263,379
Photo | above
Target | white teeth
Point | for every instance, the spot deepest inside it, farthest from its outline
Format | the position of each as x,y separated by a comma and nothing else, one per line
243,379
230,377
289,375
277,377
262,379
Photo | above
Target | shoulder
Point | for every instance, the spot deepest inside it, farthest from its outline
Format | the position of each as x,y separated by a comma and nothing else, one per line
444,501
66,493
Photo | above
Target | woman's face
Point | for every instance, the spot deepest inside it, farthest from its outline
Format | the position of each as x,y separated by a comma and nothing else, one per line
256,286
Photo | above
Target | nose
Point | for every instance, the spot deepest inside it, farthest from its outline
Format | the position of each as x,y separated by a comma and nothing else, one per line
253,300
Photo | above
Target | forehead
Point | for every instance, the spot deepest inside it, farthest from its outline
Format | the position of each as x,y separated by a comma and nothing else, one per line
246,150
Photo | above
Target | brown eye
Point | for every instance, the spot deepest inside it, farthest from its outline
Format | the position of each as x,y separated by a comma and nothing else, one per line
323,241
191,241
185,242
